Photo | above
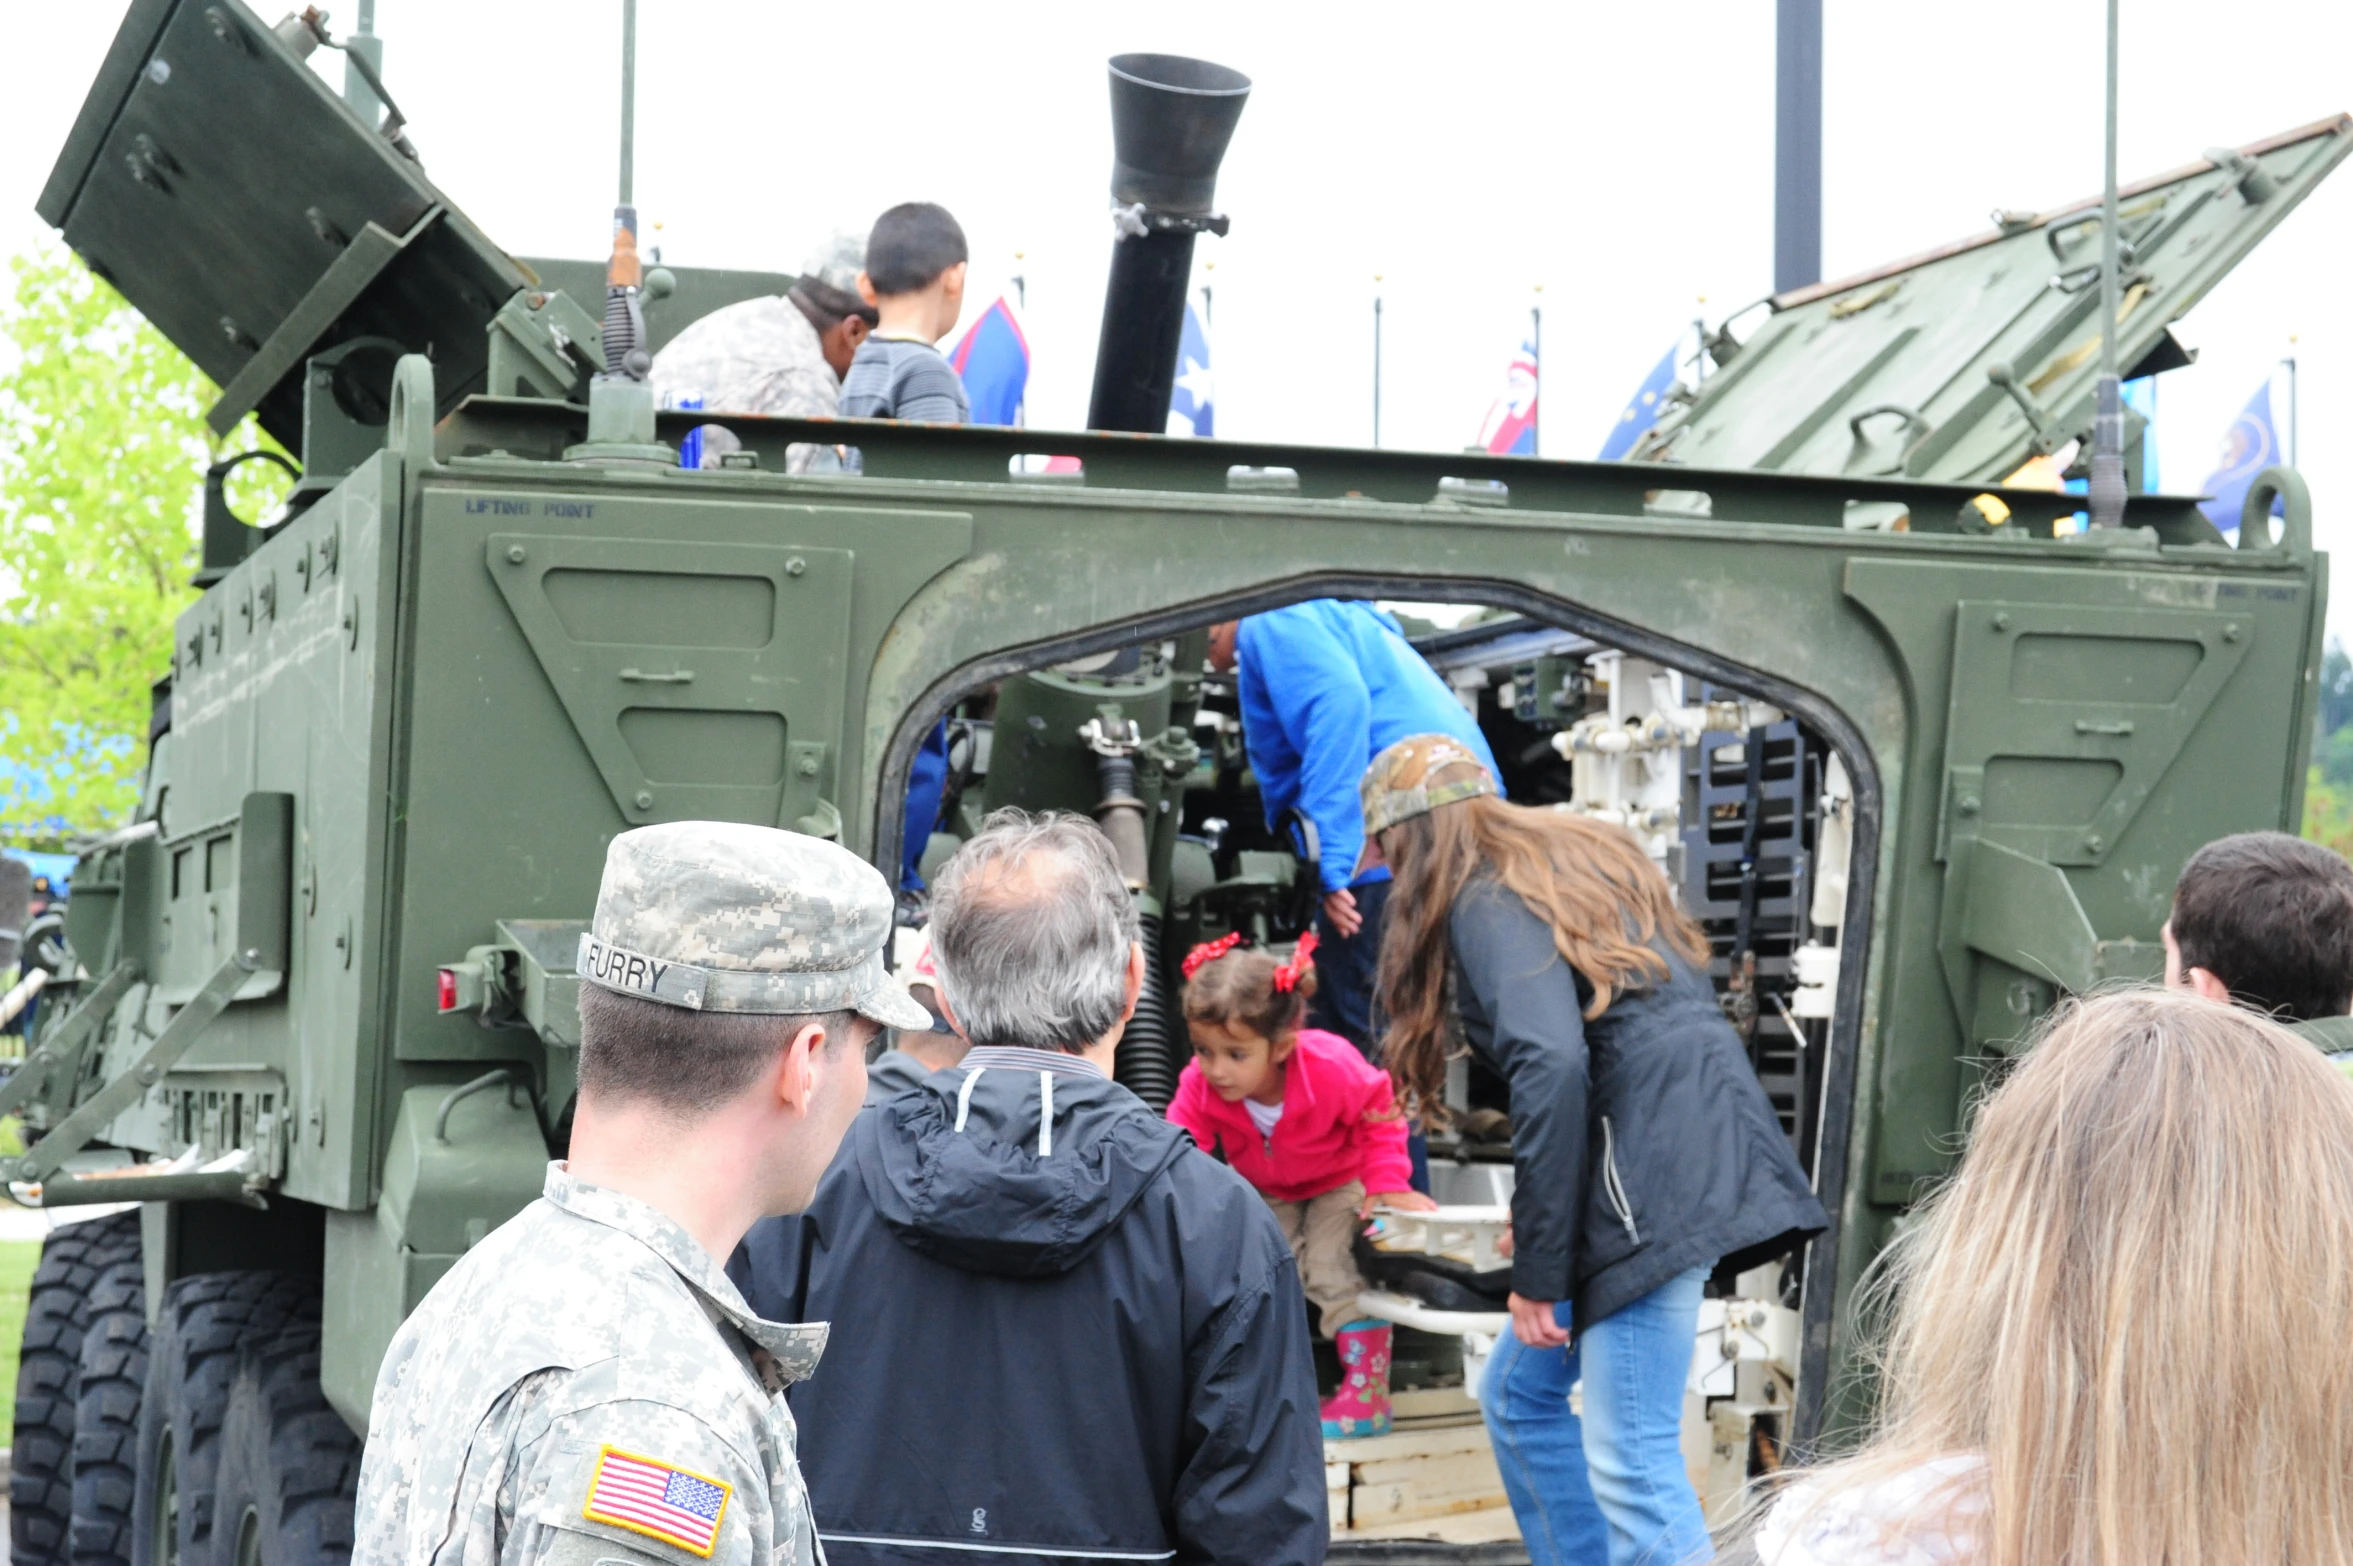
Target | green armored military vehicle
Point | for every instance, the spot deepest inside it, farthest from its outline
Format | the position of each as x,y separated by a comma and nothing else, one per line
319,1022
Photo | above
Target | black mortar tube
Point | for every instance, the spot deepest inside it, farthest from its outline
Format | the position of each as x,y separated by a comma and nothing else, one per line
1171,119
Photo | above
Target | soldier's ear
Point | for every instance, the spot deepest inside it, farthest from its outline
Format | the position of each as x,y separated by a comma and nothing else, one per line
796,1077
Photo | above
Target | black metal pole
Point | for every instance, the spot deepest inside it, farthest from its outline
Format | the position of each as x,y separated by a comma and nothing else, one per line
1797,145
1376,371
1143,327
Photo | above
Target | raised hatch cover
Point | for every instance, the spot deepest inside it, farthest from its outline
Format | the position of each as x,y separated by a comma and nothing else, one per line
1964,363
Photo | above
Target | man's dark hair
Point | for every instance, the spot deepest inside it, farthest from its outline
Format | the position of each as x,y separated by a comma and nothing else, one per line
912,244
826,305
2271,916
686,1062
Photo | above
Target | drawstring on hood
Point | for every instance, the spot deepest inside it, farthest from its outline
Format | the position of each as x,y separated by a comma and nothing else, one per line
1045,1106
988,1176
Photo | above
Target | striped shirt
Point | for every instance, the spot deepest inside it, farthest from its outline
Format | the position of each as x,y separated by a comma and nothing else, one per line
898,378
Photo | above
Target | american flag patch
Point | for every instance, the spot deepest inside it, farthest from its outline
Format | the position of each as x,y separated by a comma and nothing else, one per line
653,1498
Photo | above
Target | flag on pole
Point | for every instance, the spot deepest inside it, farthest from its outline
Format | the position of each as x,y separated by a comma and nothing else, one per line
2250,446
993,358
1643,411
1192,403
1510,430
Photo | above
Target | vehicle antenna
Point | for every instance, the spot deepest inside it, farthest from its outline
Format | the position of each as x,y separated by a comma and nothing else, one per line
628,97
624,317
2107,478
363,44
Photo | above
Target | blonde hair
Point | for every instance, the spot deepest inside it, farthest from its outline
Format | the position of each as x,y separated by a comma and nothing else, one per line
2133,1302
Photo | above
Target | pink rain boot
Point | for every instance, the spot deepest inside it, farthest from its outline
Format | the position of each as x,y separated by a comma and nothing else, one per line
1361,1406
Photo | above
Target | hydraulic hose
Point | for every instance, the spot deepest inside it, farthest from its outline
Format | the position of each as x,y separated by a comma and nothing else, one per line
1146,1065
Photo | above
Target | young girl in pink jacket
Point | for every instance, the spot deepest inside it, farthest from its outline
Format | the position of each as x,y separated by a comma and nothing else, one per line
1313,1126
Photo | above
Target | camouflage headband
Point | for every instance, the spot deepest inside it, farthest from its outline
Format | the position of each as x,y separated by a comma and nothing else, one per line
1415,776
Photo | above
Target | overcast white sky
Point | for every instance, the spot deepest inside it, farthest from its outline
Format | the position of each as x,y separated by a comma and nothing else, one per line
1620,156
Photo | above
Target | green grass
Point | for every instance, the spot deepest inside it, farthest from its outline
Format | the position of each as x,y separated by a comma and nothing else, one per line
18,1258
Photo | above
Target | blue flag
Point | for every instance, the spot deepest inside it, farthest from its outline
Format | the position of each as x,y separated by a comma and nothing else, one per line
993,358
1643,411
1192,404
2251,445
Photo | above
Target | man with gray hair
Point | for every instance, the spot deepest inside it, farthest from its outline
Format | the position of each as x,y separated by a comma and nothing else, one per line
1059,1328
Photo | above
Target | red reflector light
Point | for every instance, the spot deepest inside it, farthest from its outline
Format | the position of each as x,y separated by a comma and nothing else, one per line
449,990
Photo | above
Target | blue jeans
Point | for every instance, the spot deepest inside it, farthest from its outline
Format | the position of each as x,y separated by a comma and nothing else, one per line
1614,1490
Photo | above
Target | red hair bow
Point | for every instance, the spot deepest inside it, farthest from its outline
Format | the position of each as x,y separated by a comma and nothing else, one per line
1287,976
1210,951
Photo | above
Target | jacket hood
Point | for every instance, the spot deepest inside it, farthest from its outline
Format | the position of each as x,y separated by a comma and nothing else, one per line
960,1169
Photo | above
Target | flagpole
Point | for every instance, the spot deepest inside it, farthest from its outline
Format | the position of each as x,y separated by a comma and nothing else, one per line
1536,408
1376,361
2295,402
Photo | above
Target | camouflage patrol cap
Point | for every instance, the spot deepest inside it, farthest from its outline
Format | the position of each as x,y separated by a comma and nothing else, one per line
1414,777
718,916
837,260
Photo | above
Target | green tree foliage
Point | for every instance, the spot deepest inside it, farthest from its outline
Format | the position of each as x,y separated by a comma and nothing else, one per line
103,448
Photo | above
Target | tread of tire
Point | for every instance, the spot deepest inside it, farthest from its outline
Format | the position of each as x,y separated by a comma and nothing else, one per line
314,1459
40,1483
106,1415
208,1320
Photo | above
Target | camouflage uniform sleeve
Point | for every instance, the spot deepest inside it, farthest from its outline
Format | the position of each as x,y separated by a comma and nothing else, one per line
635,1480
796,391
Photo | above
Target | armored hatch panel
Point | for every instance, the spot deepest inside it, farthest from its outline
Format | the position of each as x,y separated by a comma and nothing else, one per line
232,197
1888,373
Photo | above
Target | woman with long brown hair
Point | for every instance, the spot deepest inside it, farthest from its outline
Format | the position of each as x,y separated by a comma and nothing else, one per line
2118,1334
1646,1153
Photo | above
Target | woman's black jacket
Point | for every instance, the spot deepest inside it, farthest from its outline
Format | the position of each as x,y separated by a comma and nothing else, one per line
1643,1144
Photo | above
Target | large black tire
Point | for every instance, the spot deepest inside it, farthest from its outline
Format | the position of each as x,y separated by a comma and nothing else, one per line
205,1324
106,1415
48,1383
289,1468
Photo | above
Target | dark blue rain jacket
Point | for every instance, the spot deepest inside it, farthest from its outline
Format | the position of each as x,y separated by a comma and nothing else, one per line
1089,1344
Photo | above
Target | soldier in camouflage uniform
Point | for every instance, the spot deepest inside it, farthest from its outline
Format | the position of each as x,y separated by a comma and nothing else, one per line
586,1385
783,355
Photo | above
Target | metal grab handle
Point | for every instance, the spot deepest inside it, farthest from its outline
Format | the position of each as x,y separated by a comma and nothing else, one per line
1911,418
2051,235
640,677
506,1074
2000,373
